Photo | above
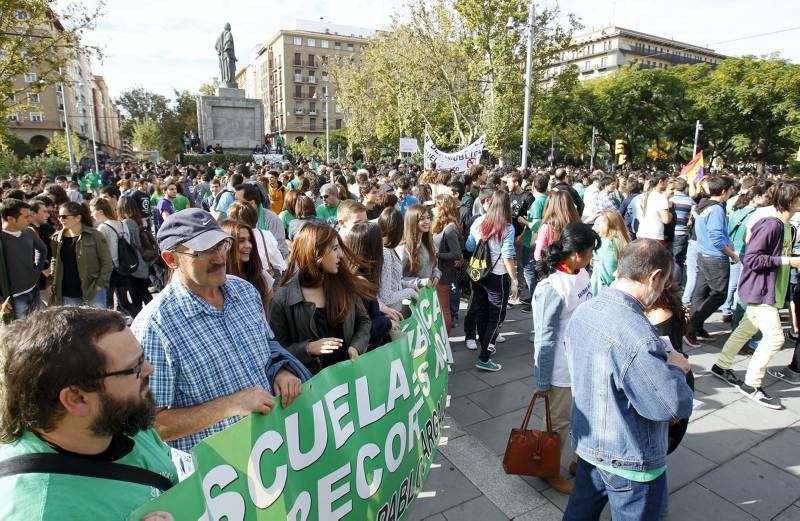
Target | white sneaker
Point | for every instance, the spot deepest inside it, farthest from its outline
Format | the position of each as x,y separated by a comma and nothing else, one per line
472,345
500,339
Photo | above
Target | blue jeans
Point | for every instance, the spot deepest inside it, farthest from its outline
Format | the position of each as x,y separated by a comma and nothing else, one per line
733,285
529,269
25,303
455,299
629,500
679,247
691,271
99,300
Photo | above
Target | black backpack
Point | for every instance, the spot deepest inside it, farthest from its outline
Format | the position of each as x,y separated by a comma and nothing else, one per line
480,265
127,258
149,249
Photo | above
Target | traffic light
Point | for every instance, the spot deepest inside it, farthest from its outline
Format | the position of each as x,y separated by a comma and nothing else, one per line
619,146
622,159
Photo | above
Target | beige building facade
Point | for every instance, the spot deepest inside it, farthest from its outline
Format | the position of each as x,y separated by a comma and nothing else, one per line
292,75
43,110
601,52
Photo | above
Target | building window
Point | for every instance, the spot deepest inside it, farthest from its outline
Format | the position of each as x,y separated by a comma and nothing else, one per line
298,91
350,47
298,75
338,108
338,123
298,108
30,77
324,76
312,42
298,60
13,117
34,98
324,44
312,123
312,107
311,60
602,63
312,77
312,92
21,14
299,123
297,40
337,46
36,117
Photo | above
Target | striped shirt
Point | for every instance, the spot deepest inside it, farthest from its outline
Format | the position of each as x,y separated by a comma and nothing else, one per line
683,209
201,353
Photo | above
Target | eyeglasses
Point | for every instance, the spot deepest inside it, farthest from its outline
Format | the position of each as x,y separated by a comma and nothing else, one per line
219,248
137,370
324,197
63,216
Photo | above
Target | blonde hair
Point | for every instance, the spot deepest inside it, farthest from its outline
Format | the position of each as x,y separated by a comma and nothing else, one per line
615,230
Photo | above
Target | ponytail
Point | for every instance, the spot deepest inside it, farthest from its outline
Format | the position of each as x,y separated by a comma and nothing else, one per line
576,237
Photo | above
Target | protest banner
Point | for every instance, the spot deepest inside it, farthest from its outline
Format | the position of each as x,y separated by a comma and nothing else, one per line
409,145
455,161
356,444
268,159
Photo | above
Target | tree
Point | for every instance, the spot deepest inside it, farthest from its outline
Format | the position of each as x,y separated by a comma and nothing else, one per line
179,118
58,146
210,88
40,37
146,135
141,105
452,69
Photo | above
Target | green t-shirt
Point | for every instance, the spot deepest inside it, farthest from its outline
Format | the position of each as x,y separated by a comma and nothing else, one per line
93,180
63,497
154,199
180,203
286,218
737,227
782,279
327,214
580,188
604,264
535,212
640,476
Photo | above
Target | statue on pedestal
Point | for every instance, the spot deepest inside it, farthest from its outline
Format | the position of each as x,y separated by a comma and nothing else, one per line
227,58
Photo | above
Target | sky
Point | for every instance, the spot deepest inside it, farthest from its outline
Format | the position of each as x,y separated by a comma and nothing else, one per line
169,44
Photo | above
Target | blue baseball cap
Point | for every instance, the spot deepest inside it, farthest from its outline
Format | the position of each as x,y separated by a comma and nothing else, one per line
194,228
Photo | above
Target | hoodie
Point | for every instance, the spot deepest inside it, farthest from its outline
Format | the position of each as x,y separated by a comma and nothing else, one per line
711,227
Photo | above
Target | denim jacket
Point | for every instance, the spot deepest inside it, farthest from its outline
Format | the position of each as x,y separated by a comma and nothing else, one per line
624,392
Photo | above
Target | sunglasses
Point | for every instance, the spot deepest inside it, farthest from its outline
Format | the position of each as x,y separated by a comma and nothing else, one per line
324,197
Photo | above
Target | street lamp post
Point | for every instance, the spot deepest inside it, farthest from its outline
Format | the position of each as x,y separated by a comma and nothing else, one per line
697,128
66,129
94,138
528,67
327,131
594,144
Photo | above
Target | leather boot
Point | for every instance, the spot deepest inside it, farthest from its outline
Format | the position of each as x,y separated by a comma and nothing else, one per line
560,484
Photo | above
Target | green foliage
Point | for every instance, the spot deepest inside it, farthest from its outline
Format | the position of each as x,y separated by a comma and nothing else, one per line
19,147
49,165
210,88
308,150
58,147
221,159
146,135
452,68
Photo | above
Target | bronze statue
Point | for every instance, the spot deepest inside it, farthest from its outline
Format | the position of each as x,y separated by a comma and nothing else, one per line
227,58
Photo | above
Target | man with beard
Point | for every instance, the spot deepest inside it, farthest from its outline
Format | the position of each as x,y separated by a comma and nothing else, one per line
627,386
215,357
76,388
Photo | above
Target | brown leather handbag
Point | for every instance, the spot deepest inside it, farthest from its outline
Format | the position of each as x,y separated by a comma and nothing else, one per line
532,452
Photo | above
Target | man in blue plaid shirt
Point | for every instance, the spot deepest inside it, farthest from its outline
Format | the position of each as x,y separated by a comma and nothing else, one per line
206,335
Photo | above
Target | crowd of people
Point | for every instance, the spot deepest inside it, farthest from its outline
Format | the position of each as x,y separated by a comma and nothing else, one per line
239,282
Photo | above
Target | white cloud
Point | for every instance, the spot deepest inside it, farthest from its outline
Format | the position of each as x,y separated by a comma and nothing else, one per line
169,44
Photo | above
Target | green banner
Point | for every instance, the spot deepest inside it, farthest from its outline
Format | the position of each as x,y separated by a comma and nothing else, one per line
356,444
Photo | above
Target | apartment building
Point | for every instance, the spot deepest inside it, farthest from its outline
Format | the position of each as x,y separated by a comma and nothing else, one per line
292,75
600,52
44,110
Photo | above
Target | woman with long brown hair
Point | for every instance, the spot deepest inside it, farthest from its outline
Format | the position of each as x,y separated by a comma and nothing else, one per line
393,289
417,252
559,211
243,261
446,230
317,313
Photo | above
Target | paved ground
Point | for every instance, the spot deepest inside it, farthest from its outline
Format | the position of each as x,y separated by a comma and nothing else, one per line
738,461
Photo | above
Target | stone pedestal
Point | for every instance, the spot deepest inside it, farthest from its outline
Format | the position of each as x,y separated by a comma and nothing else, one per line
230,119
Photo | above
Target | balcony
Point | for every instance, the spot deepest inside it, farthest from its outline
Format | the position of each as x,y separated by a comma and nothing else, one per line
299,111
312,112
298,78
312,79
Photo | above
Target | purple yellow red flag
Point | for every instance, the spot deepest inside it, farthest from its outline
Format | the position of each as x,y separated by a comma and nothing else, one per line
693,170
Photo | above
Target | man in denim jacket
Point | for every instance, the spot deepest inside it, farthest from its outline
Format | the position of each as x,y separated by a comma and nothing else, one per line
627,388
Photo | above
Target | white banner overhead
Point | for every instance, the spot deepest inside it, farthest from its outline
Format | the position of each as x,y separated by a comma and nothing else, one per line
455,161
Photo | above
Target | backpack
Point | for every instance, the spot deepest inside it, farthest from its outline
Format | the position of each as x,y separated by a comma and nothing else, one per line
480,264
149,250
127,258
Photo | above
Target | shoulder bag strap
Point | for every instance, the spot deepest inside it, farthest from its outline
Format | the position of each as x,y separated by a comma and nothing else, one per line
266,251
54,463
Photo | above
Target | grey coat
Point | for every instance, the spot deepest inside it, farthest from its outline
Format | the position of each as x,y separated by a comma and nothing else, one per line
292,319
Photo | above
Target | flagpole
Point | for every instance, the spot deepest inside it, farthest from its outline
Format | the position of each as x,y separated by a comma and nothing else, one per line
697,128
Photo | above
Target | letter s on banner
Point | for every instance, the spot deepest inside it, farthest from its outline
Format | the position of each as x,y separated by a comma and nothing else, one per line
227,504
